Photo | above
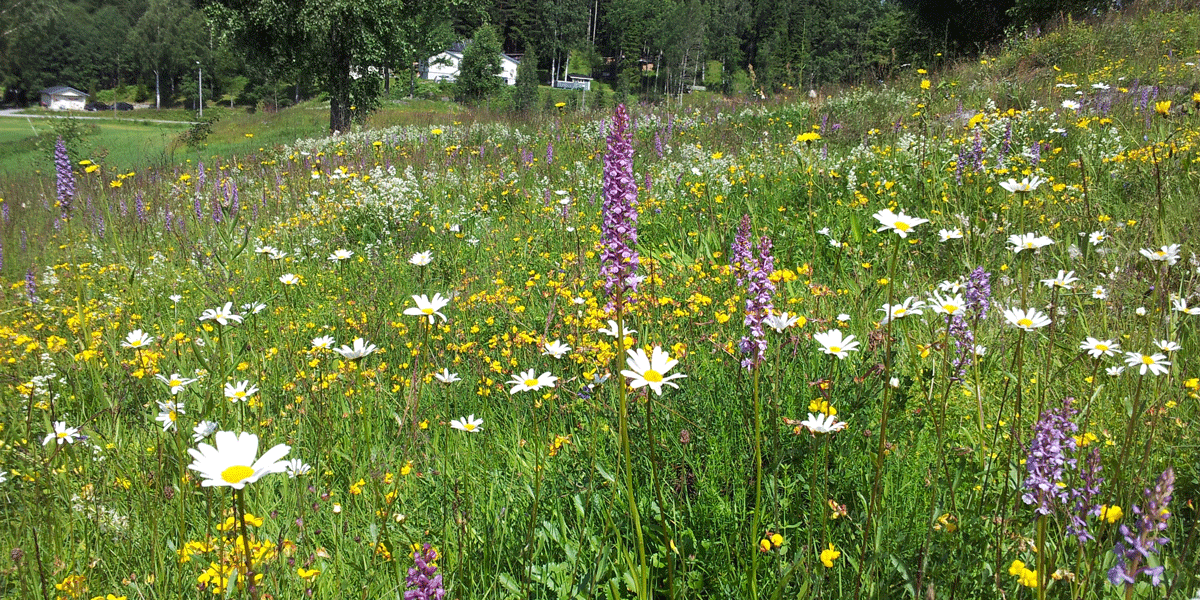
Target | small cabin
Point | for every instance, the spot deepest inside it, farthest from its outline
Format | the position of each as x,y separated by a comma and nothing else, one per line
62,97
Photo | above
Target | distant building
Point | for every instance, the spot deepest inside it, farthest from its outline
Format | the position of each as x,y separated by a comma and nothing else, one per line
444,65
61,97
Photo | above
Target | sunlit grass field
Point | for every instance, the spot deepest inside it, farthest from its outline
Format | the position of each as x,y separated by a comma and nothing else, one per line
934,339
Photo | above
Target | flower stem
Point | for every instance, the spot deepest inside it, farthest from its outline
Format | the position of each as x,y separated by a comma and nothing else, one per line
757,488
641,578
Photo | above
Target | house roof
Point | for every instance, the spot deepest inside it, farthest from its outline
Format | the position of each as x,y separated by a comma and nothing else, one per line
63,90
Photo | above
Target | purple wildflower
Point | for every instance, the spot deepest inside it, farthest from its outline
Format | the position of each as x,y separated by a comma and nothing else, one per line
618,232
977,151
139,204
31,285
1133,550
200,178
549,151
66,178
423,581
4,209
1035,154
758,299
739,253
1046,459
1090,480
979,292
658,144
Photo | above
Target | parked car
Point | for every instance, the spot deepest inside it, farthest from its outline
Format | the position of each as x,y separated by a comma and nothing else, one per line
124,106
94,106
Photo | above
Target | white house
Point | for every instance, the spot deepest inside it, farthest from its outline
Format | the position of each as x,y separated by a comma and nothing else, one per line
61,97
444,65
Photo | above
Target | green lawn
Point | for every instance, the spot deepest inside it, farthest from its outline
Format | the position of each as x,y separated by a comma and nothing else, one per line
26,144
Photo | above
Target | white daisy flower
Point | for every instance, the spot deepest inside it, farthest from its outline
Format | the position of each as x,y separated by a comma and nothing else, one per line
223,315
781,321
203,429
611,330
1157,364
1023,186
1097,348
528,381
556,349
469,424
900,223
421,259
137,339
832,342
176,382
240,392
650,370
61,434
822,423
358,349
234,461
446,376
1028,241
1027,320
428,308
910,306
340,255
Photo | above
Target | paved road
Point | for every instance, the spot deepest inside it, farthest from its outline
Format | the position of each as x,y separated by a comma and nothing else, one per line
16,112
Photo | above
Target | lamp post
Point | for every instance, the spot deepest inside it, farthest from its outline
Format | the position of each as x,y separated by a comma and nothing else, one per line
200,87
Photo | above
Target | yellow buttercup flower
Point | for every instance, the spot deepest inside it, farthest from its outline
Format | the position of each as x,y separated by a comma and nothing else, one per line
829,555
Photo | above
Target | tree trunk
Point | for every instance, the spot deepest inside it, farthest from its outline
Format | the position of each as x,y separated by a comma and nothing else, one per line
157,92
339,81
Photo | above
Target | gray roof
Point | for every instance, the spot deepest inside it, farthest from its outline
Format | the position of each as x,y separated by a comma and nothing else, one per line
63,89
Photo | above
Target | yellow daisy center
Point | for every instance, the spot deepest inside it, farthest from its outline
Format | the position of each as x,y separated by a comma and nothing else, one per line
1147,360
531,382
469,426
62,435
652,376
835,349
239,394
174,383
950,308
428,311
902,226
900,312
1025,322
236,474
171,415
135,343
1102,347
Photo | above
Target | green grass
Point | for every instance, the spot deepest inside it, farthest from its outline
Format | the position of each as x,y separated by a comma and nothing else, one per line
920,495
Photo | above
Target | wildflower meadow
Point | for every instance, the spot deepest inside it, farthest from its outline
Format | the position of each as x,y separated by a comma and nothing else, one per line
933,338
